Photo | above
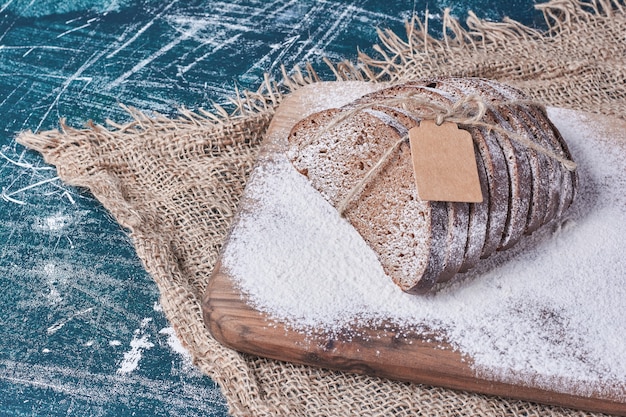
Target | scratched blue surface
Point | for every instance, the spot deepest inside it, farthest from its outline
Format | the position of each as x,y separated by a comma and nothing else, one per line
81,329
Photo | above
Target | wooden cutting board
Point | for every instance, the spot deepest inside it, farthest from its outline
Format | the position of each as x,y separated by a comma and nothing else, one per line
416,356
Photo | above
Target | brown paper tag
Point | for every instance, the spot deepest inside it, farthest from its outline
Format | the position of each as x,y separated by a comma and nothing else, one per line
444,163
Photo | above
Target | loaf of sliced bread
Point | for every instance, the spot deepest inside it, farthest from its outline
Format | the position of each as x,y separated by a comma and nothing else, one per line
421,243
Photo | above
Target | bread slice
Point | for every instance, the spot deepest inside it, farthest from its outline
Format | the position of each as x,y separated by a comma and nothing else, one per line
453,248
449,222
547,178
495,164
517,164
478,218
564,183
457,214
399,226
539,164
456,242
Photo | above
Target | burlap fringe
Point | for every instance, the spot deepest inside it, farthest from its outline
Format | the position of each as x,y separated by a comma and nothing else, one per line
421,50
397,55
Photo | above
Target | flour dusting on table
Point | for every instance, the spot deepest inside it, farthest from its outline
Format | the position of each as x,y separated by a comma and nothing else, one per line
552,308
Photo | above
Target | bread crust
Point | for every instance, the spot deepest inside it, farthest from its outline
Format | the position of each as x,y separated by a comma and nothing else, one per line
496,168
563,194
517,164
447,262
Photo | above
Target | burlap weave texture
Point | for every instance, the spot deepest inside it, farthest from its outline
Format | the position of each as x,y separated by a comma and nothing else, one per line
175,184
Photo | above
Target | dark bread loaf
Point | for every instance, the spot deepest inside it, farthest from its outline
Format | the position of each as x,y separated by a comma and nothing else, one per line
421,243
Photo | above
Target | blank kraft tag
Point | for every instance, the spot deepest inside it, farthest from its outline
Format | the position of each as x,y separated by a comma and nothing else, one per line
444,163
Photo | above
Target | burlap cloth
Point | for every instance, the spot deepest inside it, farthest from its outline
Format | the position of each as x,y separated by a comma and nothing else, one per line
175,182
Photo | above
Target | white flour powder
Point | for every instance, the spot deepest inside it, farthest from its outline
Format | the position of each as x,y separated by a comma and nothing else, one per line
553,308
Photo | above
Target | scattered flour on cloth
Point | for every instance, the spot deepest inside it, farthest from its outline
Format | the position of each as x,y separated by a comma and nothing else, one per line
551,309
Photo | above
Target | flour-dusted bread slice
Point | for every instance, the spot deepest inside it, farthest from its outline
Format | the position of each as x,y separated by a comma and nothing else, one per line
553,140
540,165
517,164
399,226
494,161
452,252
421,243
457,214
445,223
547,176
478,220
456,243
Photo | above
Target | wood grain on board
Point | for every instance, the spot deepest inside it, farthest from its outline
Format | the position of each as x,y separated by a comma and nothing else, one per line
416,356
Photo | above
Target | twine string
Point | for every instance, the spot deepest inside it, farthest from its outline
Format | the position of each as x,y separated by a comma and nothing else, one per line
371,173
468,111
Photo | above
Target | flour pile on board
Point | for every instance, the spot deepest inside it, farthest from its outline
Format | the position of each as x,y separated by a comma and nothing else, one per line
551,309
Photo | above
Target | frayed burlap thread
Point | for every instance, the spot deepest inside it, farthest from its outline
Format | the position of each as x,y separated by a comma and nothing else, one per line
175,183
578,63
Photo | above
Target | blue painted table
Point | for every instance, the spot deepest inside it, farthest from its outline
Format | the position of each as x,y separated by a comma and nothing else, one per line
81,329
